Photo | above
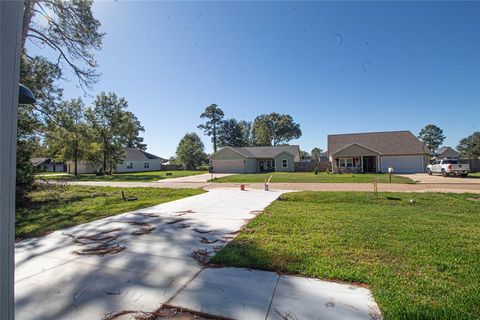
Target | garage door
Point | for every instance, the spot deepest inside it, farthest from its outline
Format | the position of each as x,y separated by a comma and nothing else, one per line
403,164
227,166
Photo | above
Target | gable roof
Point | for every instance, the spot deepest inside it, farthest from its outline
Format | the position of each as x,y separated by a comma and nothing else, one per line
267,152
448,150
132,154
385,143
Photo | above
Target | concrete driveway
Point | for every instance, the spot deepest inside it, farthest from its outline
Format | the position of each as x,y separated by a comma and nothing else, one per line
438,179
159,260
195,178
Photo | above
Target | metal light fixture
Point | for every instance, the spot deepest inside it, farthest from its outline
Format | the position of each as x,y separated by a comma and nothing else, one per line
25,96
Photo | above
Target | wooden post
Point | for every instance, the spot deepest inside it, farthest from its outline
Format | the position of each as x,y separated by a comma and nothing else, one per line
11,16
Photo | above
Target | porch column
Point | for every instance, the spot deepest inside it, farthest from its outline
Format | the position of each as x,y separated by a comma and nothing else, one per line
361,163
10,35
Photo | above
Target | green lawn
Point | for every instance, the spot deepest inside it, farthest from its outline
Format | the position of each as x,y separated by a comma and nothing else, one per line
134,176
474,174
421,260
309,177
49,209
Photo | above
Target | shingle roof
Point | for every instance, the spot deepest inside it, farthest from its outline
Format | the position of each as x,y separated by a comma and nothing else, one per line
132,154
385,143
268,152
448,150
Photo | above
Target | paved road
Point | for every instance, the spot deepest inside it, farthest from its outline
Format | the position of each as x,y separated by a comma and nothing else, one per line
385,187
156,268
434,179
195,178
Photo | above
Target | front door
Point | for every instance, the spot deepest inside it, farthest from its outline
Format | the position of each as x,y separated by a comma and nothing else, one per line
261,165
370,164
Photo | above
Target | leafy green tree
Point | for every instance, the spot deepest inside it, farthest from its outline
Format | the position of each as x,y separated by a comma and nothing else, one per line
316,152
41,77
190,151
470,146
114,128
70,138
69,29
273,129
233,133
214,116
304,154
432,136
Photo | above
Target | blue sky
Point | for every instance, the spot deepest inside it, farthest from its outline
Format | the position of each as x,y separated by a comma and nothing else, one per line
335,67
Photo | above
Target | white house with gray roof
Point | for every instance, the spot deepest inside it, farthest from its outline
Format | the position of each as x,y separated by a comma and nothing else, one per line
135,160
255,159
378,151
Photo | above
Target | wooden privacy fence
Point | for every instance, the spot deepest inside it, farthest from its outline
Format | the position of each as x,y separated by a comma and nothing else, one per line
310,166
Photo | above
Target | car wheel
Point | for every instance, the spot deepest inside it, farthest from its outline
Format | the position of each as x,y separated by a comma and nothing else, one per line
429,172
464,175
444,173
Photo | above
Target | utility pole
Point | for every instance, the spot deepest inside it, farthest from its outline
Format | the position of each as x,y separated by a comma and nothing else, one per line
11,16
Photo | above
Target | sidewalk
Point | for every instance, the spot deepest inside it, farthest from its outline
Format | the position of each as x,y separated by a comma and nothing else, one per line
163,264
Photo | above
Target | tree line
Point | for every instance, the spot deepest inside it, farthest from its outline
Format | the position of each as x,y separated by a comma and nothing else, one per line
68,130
265,130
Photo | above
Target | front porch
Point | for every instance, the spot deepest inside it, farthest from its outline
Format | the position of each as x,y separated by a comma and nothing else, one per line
355,164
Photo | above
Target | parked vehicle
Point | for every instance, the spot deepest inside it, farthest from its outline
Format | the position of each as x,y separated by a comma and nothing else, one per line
447,167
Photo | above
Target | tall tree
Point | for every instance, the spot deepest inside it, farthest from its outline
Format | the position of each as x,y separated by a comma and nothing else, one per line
69,29
273,129
233,133
470,146
190,151
114,128
432,136
41,77
316,152
214,116
69,139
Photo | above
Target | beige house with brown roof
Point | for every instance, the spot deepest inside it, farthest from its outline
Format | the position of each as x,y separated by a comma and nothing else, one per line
378,151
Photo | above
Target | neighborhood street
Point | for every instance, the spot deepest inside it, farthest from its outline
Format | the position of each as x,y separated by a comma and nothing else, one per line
437,184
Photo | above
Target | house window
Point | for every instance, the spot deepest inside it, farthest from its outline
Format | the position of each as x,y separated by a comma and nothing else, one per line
129,165
284,163
345,162
146,165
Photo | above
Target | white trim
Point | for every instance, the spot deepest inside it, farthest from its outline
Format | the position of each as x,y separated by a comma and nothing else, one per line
230,148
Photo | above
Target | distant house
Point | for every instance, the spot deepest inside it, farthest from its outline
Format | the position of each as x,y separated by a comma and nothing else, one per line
447,152
135,160
47,165
323,156
255,159
378,151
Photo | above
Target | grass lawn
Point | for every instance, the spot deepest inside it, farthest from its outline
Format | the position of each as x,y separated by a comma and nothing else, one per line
134,176
421,260
474,174
47,209
309,177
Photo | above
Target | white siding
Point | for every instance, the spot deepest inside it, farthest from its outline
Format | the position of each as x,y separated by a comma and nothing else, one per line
402,164
139,165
